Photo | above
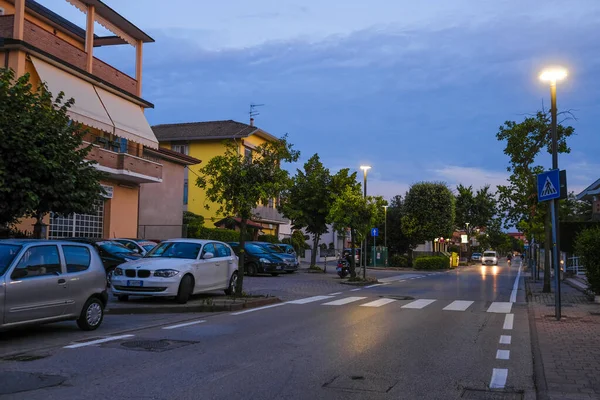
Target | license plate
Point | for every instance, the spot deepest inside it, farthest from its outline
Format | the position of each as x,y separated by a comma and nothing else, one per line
135,283
278,267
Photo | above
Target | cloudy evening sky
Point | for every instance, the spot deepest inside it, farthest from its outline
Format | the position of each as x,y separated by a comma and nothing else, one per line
417,89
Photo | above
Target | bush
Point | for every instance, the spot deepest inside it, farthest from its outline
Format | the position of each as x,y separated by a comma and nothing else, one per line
432,262
223,235
399,260
191,219
268,238
587,247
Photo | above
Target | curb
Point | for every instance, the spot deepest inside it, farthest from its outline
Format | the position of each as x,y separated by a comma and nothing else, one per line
577,287
539,375
177,309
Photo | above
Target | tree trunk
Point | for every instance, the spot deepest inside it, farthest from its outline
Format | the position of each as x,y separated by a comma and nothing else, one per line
353,254
547,251
240,280
313,254
39,228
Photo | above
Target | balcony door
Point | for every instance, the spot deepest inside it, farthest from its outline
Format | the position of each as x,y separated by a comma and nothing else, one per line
78,225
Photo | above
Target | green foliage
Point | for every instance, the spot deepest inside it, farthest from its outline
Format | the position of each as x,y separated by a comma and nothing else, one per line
476,209
429,212
573,210
268,238
42,155
298,240
398,242
323,246
587,247
237,183
191,219
432,263
399,260
222,235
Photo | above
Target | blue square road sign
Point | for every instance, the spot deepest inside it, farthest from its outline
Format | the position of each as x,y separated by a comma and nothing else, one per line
374,232
548,184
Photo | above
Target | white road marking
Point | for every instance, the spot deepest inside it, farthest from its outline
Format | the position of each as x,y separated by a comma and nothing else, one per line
375,285
499,376
355,290
500,307
513,294
334,294
418,304
458,305
503,354
505,339
258,309
509,321
392,278
184,324
98,341
343,301
309,299
378,303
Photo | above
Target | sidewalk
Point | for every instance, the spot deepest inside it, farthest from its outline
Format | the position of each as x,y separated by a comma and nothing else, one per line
567,352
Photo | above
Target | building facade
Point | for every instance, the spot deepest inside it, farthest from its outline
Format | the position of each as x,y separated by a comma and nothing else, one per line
108,103
592,194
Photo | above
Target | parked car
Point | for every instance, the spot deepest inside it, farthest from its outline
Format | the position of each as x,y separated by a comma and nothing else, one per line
288,249
290,260
178,268
260,260
140,246
111,253
476,257
47,281
489,257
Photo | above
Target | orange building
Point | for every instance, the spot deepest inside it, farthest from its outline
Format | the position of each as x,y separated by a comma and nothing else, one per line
108,102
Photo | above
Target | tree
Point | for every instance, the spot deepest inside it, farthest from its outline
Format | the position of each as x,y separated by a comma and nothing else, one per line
476,209
237,183
398,242
43,166
518,199
429,212
308,200
573,210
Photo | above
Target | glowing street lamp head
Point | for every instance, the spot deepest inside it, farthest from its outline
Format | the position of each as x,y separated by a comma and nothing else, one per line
365,167
553,75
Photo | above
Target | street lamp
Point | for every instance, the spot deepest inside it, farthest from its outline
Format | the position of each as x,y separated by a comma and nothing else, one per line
554,75
365,168
385,236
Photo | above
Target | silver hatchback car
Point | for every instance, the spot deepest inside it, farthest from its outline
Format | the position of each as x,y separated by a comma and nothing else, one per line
44,281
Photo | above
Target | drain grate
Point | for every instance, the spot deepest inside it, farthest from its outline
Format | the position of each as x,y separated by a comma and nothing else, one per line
155,345
361,383
477,394
25,357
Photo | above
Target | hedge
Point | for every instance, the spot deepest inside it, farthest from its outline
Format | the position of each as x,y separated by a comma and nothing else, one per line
432,262
587,247
399,260
268,238
223,235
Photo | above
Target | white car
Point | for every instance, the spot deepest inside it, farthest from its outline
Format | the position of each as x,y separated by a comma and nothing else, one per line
489,257
178,268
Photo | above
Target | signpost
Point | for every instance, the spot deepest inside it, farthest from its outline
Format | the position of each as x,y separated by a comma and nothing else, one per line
374,233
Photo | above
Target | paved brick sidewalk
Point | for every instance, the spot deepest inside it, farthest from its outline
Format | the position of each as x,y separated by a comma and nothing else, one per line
570,348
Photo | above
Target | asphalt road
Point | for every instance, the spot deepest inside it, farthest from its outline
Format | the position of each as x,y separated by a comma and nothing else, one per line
417,336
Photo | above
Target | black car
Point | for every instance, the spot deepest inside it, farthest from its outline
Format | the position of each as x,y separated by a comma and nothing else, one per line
291,261
259,260
111,253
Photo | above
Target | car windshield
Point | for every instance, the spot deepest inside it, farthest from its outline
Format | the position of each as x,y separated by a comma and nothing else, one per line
255,249
7,255
476,254
148,247
186,250
273,248
113,247
489,254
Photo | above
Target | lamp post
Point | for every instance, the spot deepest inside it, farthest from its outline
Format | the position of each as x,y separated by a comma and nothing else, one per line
385,236
554,75
468,242
365,168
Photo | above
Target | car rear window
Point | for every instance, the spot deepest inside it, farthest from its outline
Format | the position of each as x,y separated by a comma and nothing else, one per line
78,258
489,254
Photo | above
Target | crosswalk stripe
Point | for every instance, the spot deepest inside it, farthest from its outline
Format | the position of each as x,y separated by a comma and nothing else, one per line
378,303
309,299
418,304
500,307
458,305
343,301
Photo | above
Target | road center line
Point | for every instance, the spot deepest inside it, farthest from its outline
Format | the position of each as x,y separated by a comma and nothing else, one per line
184,324
355,290
513,294
505,339
509,321
334,294
98,341
375,285
258,309
503,354
499,376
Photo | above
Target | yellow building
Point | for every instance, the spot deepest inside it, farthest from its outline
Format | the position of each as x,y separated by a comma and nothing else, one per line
205,140
108,102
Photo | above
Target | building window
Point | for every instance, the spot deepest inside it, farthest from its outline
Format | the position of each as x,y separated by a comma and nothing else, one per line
248,153
78,225
181,148
122,145
185,192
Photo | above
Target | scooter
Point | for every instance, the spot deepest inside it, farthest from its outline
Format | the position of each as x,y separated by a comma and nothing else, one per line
343,269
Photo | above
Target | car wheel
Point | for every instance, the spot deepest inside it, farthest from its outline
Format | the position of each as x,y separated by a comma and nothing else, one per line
185,289
252,269
122,297
232,283
92,315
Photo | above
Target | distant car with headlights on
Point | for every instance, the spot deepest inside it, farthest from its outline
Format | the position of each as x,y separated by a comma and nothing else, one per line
489,258
178,268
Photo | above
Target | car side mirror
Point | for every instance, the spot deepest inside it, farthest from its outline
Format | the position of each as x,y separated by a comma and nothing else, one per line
19,273
208,256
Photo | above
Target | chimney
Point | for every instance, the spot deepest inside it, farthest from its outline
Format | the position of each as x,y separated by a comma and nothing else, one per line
251,121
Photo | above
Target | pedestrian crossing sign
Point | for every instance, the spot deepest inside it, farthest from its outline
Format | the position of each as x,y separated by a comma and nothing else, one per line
548,184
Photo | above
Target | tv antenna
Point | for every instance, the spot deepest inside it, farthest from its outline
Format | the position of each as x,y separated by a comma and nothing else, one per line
253,113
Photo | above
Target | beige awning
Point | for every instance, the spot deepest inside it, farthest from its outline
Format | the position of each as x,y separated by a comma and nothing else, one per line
128,118
87,108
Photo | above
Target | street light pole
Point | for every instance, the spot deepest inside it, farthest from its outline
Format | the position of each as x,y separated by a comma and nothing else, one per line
385,237
365,168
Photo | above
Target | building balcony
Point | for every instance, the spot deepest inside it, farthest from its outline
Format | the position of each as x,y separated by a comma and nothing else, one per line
125,167
268,215
47,42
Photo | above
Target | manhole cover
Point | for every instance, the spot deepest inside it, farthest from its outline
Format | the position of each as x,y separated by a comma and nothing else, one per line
476,394
25,357
155,345
361,383
399,297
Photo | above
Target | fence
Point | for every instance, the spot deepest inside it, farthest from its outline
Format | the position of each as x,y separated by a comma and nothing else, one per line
574,267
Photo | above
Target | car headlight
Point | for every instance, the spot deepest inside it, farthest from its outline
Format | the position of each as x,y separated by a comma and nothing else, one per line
265,261
118,272
165,273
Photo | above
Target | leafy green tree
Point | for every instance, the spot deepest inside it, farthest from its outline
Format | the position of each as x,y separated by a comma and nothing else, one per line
429,212
476,209
518,199
43,166
236,184
573,210
587,246
398,242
